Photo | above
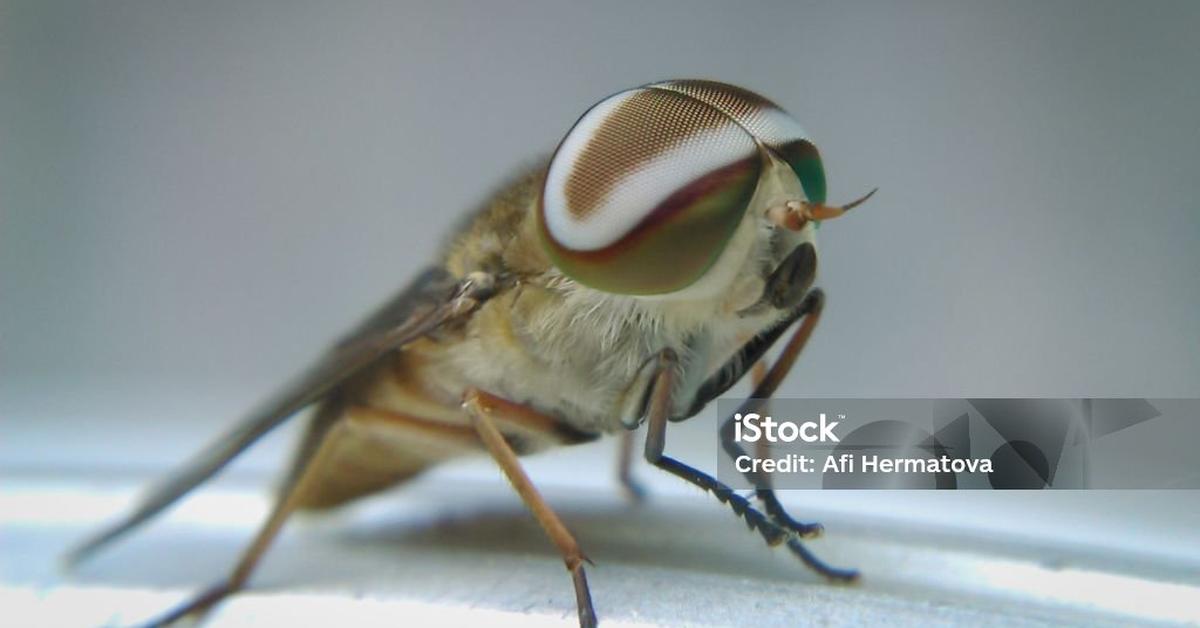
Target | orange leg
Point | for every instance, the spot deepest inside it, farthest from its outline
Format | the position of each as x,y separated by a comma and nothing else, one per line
765,382
483,407
762,449
310,472
285,506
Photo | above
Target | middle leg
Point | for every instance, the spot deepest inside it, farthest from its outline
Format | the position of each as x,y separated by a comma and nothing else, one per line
633,489
482,406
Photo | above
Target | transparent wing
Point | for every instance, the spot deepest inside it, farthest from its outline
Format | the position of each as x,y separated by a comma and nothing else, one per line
432,300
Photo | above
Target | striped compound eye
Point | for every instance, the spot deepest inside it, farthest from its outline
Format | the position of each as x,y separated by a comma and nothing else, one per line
648,187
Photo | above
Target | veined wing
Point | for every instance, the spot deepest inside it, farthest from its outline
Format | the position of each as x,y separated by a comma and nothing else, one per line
434,299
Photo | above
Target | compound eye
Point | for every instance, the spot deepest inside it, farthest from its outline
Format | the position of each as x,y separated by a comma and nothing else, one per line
645,191
768,123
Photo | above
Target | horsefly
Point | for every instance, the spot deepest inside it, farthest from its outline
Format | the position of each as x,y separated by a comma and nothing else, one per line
665,247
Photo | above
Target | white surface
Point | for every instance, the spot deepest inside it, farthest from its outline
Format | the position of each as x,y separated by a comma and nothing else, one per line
456,547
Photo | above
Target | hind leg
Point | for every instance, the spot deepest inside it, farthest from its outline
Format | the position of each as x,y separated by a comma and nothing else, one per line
284,507
316,462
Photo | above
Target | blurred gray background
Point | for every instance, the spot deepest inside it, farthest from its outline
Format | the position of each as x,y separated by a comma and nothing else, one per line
196,197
